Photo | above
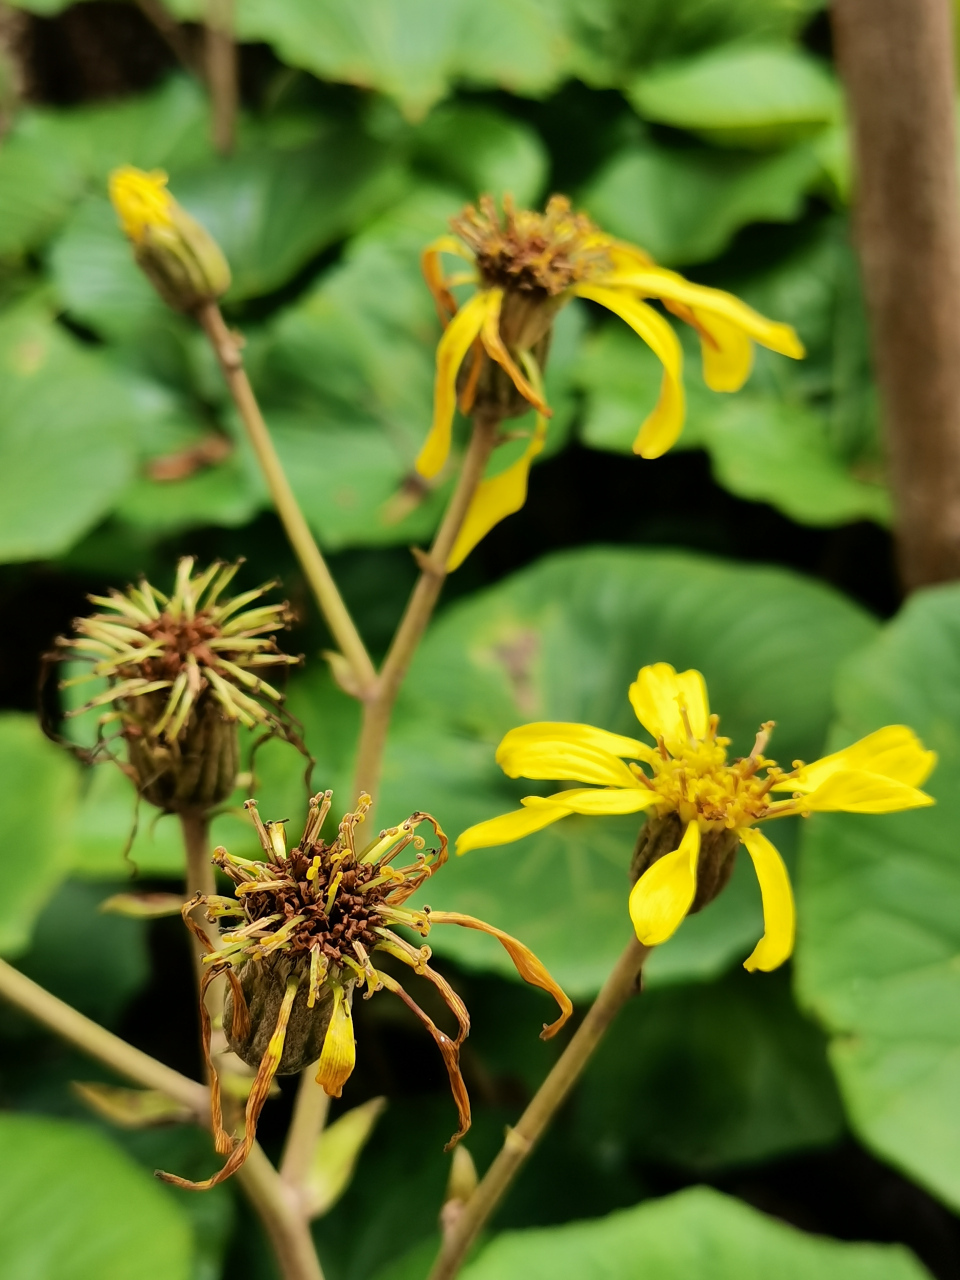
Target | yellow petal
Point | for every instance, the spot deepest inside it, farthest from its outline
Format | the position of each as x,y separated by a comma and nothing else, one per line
856,791
508,827
664,893
726,350
432,268
338,1056
662,428
451,350
594,800
657,696
894,752
658,282
140,199
565,761
779,914
496,498
580,735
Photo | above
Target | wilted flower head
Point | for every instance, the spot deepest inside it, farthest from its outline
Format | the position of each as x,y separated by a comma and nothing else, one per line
526,266
301,936
700,806
182,672
182,260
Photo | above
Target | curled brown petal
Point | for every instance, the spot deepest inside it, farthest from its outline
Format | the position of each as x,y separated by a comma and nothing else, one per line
415,959
528,966
258,1096
450,1049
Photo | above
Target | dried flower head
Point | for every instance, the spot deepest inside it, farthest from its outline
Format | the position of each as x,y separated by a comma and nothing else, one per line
181,259
526,265
301,936
182,672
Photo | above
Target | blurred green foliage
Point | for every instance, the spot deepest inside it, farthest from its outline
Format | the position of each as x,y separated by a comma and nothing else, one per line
710,132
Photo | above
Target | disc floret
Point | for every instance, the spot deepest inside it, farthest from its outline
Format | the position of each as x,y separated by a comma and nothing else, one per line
303,933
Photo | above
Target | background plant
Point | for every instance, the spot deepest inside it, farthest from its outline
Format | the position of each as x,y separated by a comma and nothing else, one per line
713,135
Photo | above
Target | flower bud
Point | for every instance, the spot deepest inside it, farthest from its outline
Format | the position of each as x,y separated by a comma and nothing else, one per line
180,258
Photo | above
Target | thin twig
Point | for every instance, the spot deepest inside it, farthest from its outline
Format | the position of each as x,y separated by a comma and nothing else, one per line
378,710
520,1141
285,1226
171,32
222,75
314,566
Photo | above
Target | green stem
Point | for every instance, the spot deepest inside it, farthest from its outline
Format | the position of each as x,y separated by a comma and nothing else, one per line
314,566
520,1141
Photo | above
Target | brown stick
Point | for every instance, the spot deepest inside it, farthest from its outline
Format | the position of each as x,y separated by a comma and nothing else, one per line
222,77
378,710
896,58
520,1141
287,1229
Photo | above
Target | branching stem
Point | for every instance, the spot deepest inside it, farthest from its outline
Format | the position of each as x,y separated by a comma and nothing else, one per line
520,1141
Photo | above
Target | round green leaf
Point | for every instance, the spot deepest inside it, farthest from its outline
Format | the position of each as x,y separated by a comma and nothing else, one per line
879,908
66,435
697,1234
756,96
74,1207
710,1075
483,151
684,205
38,785
561,641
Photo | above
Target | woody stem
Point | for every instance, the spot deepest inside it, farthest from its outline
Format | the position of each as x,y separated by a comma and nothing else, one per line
622,983
287,1229
338,619
378,709
221,67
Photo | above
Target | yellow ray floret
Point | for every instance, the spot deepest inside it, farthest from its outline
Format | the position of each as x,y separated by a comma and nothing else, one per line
141,200
688,774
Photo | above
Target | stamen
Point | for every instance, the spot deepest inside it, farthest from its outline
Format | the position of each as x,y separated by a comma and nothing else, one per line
332,892
686,724
318,973
251,808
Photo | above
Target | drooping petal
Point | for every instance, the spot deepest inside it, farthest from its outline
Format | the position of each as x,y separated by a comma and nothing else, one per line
663,426
856,791
496,349
528,966
451,350
726,351
508,827
593,800
779,913
338,1056
660,695
432,268
664,894
658,282
894,752
565,761
497,498
579,735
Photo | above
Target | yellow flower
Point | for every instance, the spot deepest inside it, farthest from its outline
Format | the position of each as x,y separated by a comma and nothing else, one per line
529,265
180,258
690,791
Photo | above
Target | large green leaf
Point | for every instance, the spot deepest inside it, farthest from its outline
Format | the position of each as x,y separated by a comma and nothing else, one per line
38,784
708,1076
561,641
74,1207
68,434
758,96
684,204
483,151
613,38
697,1234
412,50
879,924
